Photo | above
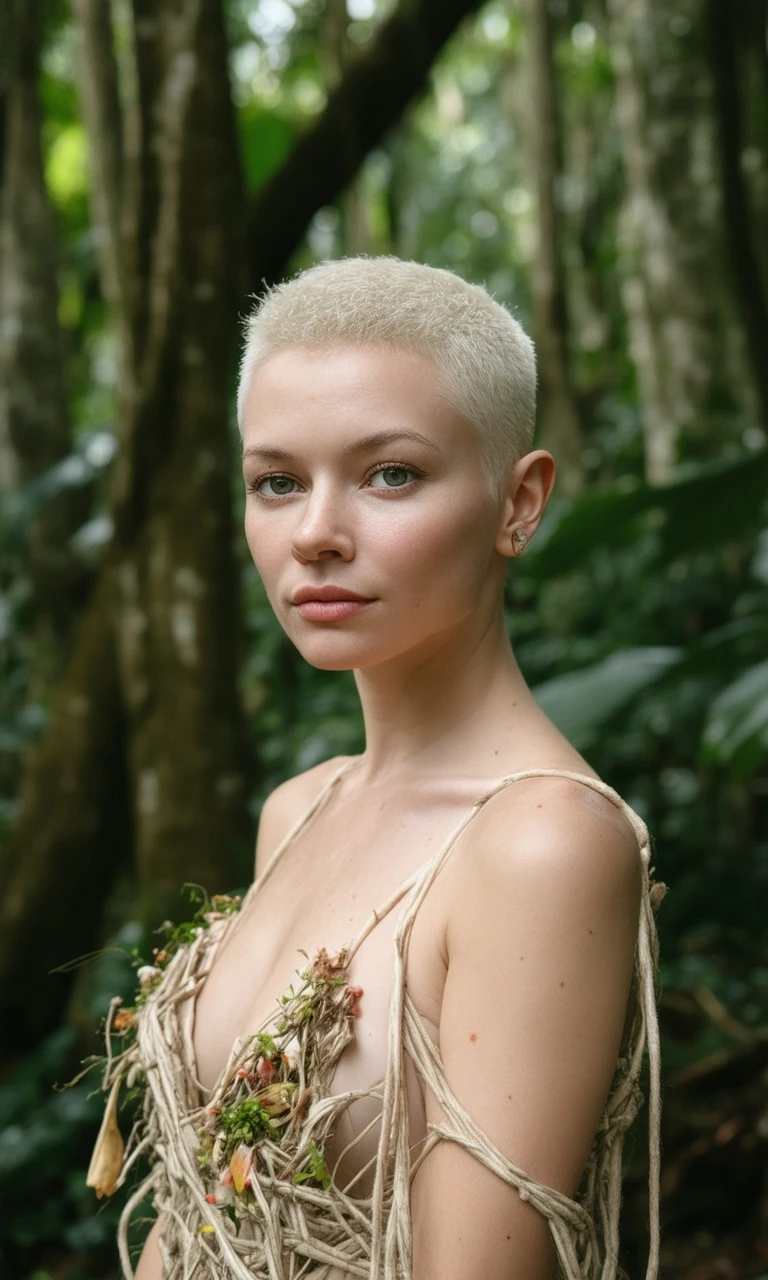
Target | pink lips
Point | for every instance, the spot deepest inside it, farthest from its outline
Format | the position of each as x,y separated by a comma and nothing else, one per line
328,603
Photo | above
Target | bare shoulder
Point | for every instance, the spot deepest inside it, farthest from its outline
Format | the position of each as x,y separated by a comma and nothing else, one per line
286,804
557,837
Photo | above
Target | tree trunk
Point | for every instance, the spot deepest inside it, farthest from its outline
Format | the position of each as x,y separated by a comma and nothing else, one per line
71,835
355,232
558,410
177,614
749,285
34,416
671,231
102,113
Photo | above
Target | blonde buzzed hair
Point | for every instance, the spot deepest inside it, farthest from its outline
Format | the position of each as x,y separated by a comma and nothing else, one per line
486,360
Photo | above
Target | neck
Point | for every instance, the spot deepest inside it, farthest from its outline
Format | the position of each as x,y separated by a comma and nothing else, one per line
464,700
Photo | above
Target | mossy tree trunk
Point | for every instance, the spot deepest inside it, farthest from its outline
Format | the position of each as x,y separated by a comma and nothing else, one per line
34,417
683,331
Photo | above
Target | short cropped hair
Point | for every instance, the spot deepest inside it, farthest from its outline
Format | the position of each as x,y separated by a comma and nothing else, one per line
485,359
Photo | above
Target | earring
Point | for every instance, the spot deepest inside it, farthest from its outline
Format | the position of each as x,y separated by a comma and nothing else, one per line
519,541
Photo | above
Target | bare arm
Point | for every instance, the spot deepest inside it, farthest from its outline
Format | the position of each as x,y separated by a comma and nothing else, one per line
540,954
151,1264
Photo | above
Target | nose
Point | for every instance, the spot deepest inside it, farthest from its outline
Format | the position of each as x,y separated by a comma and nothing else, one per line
322,532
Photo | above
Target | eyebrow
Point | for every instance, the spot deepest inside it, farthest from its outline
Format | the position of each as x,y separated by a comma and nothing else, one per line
376,441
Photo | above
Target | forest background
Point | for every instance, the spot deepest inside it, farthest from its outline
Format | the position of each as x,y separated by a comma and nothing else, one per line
601,164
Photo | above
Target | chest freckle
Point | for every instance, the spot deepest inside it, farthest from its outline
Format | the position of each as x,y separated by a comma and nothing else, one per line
473,1036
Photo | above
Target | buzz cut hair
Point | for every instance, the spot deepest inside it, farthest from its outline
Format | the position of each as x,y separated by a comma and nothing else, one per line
486,362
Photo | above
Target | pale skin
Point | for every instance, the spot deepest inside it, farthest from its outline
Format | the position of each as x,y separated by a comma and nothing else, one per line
521,955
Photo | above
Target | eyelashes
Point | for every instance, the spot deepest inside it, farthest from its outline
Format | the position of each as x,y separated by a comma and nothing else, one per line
395,477
395,468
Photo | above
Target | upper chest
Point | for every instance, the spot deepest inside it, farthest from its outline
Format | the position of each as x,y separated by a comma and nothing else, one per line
346,865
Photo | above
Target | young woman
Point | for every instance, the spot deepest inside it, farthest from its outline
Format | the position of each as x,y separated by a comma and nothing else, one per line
401,1055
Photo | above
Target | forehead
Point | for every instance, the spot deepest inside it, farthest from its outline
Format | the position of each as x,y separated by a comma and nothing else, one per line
341,390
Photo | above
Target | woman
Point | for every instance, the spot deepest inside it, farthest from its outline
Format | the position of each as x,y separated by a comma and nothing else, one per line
452,920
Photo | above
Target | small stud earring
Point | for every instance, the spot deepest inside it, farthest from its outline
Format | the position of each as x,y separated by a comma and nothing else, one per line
519,541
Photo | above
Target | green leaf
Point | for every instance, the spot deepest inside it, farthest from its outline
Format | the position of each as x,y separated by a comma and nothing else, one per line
582,702
265,140
713,504
736,731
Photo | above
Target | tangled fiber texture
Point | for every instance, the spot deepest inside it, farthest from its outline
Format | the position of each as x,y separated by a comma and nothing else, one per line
242,1181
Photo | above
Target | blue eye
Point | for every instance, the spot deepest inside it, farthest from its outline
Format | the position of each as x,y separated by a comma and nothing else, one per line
274,486
392,477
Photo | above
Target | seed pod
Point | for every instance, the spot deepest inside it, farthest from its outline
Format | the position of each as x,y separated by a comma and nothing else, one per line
107,1159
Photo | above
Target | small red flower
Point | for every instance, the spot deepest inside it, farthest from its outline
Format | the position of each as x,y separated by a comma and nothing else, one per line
123,1021
265,1070
353,995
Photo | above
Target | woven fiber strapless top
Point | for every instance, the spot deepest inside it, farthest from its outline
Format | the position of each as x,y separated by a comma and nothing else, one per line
242,1179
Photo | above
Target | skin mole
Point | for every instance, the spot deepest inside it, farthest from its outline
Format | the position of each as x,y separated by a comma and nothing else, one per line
473,1036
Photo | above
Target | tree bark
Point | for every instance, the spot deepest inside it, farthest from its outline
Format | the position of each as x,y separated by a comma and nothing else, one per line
102,113
71,836
744,260
558,410
34,415
671,232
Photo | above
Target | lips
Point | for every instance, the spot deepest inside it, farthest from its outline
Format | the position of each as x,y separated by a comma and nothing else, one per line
326,594
329,603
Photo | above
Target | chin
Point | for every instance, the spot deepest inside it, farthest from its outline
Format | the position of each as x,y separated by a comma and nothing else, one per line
325,655
342,653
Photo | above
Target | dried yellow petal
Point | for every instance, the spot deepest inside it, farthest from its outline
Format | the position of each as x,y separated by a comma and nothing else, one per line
240,1167
107,1159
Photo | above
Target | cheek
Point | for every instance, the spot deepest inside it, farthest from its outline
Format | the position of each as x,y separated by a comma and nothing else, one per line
264,544
444,551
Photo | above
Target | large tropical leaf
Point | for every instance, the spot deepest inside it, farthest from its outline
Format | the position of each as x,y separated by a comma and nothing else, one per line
582,702
711,505
736,732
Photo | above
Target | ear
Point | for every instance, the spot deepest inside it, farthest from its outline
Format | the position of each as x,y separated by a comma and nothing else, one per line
526,494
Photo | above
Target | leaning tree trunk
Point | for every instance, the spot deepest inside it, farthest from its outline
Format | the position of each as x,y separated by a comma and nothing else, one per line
165,609
672,234
558,410
728,31
177,617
